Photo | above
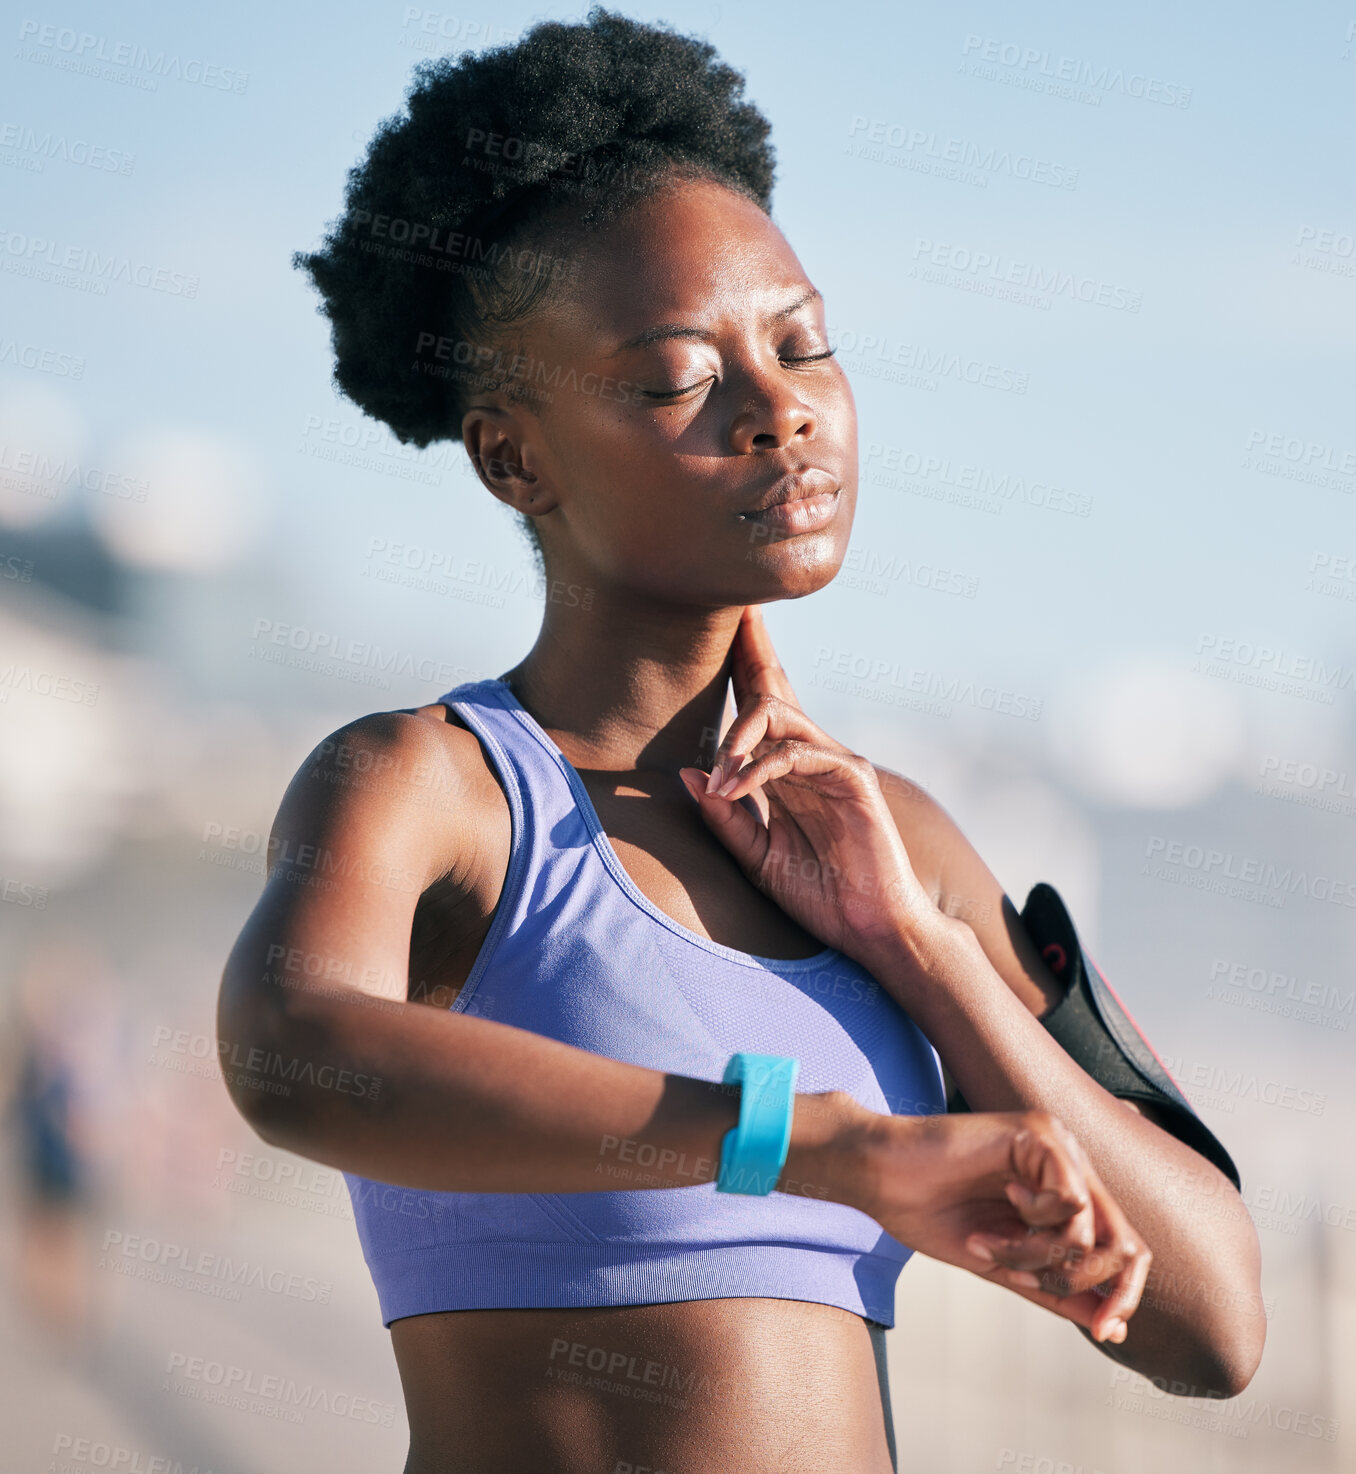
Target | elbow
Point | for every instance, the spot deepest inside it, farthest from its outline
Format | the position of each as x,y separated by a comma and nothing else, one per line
1238,1353
1221,1357
255,1039
1214,1365
1225,1367
1230,1314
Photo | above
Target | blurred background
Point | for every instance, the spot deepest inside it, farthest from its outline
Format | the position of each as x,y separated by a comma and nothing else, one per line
1093,276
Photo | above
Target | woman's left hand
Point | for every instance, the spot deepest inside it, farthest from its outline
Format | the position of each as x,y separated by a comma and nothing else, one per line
826,847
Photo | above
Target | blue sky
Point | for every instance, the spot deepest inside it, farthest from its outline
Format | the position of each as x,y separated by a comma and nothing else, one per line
1195,188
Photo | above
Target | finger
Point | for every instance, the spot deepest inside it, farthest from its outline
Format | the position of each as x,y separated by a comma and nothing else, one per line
1120,1304
761,719
757,671
1045,1162
1117,1237
803,759
1070,1238
1049,1207
1064,1269
1081,1310
742,834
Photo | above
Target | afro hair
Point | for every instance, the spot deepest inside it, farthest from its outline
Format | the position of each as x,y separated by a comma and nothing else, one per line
500,153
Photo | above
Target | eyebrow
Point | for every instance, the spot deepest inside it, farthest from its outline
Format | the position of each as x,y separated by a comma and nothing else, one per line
663,331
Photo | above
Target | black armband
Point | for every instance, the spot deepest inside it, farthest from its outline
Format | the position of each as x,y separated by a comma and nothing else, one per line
1097,1032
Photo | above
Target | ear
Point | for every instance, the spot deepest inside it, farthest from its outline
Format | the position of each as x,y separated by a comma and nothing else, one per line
500,450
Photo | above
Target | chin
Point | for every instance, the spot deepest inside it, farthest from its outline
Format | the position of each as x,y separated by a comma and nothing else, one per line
797,566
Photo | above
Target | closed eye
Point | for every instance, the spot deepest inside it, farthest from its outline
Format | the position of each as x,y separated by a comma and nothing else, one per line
674,393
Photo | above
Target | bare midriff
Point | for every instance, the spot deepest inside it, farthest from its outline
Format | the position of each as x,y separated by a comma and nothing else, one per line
755,1386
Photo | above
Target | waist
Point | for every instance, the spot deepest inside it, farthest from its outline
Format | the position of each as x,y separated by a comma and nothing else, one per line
748,1383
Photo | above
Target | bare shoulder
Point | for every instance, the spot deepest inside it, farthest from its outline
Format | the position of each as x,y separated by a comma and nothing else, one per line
413,776
961,884
930,834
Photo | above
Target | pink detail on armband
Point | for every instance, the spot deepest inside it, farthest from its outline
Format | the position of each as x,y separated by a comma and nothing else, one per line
1133,1024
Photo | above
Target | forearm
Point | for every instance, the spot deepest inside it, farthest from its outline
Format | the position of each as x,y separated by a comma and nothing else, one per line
1200,1321
439,1101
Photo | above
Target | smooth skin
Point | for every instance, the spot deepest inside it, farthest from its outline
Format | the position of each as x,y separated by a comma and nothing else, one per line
640,498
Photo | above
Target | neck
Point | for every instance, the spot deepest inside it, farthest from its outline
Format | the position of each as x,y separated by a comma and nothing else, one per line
630,684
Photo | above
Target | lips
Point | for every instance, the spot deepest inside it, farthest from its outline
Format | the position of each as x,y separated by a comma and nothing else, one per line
796,486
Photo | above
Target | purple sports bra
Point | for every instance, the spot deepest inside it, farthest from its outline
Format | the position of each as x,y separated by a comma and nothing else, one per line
576,952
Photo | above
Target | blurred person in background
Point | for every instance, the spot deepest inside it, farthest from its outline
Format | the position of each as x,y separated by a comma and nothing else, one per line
53,1139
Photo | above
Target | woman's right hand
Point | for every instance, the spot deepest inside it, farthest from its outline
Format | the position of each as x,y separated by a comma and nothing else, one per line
1010,1196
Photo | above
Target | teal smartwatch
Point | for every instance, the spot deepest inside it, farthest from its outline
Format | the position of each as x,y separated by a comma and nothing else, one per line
753,1153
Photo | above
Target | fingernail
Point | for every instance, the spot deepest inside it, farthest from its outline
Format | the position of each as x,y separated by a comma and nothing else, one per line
690,777
728,787
1116,1331
980,1250
713,782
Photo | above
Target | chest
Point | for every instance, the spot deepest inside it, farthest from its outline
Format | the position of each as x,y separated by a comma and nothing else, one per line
664,846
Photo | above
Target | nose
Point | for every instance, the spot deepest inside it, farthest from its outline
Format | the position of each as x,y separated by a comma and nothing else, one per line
772,415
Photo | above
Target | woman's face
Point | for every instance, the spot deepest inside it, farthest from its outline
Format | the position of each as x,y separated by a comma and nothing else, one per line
646,458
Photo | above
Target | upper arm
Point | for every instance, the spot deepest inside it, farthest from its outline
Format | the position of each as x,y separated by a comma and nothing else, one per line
963,886
355,843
